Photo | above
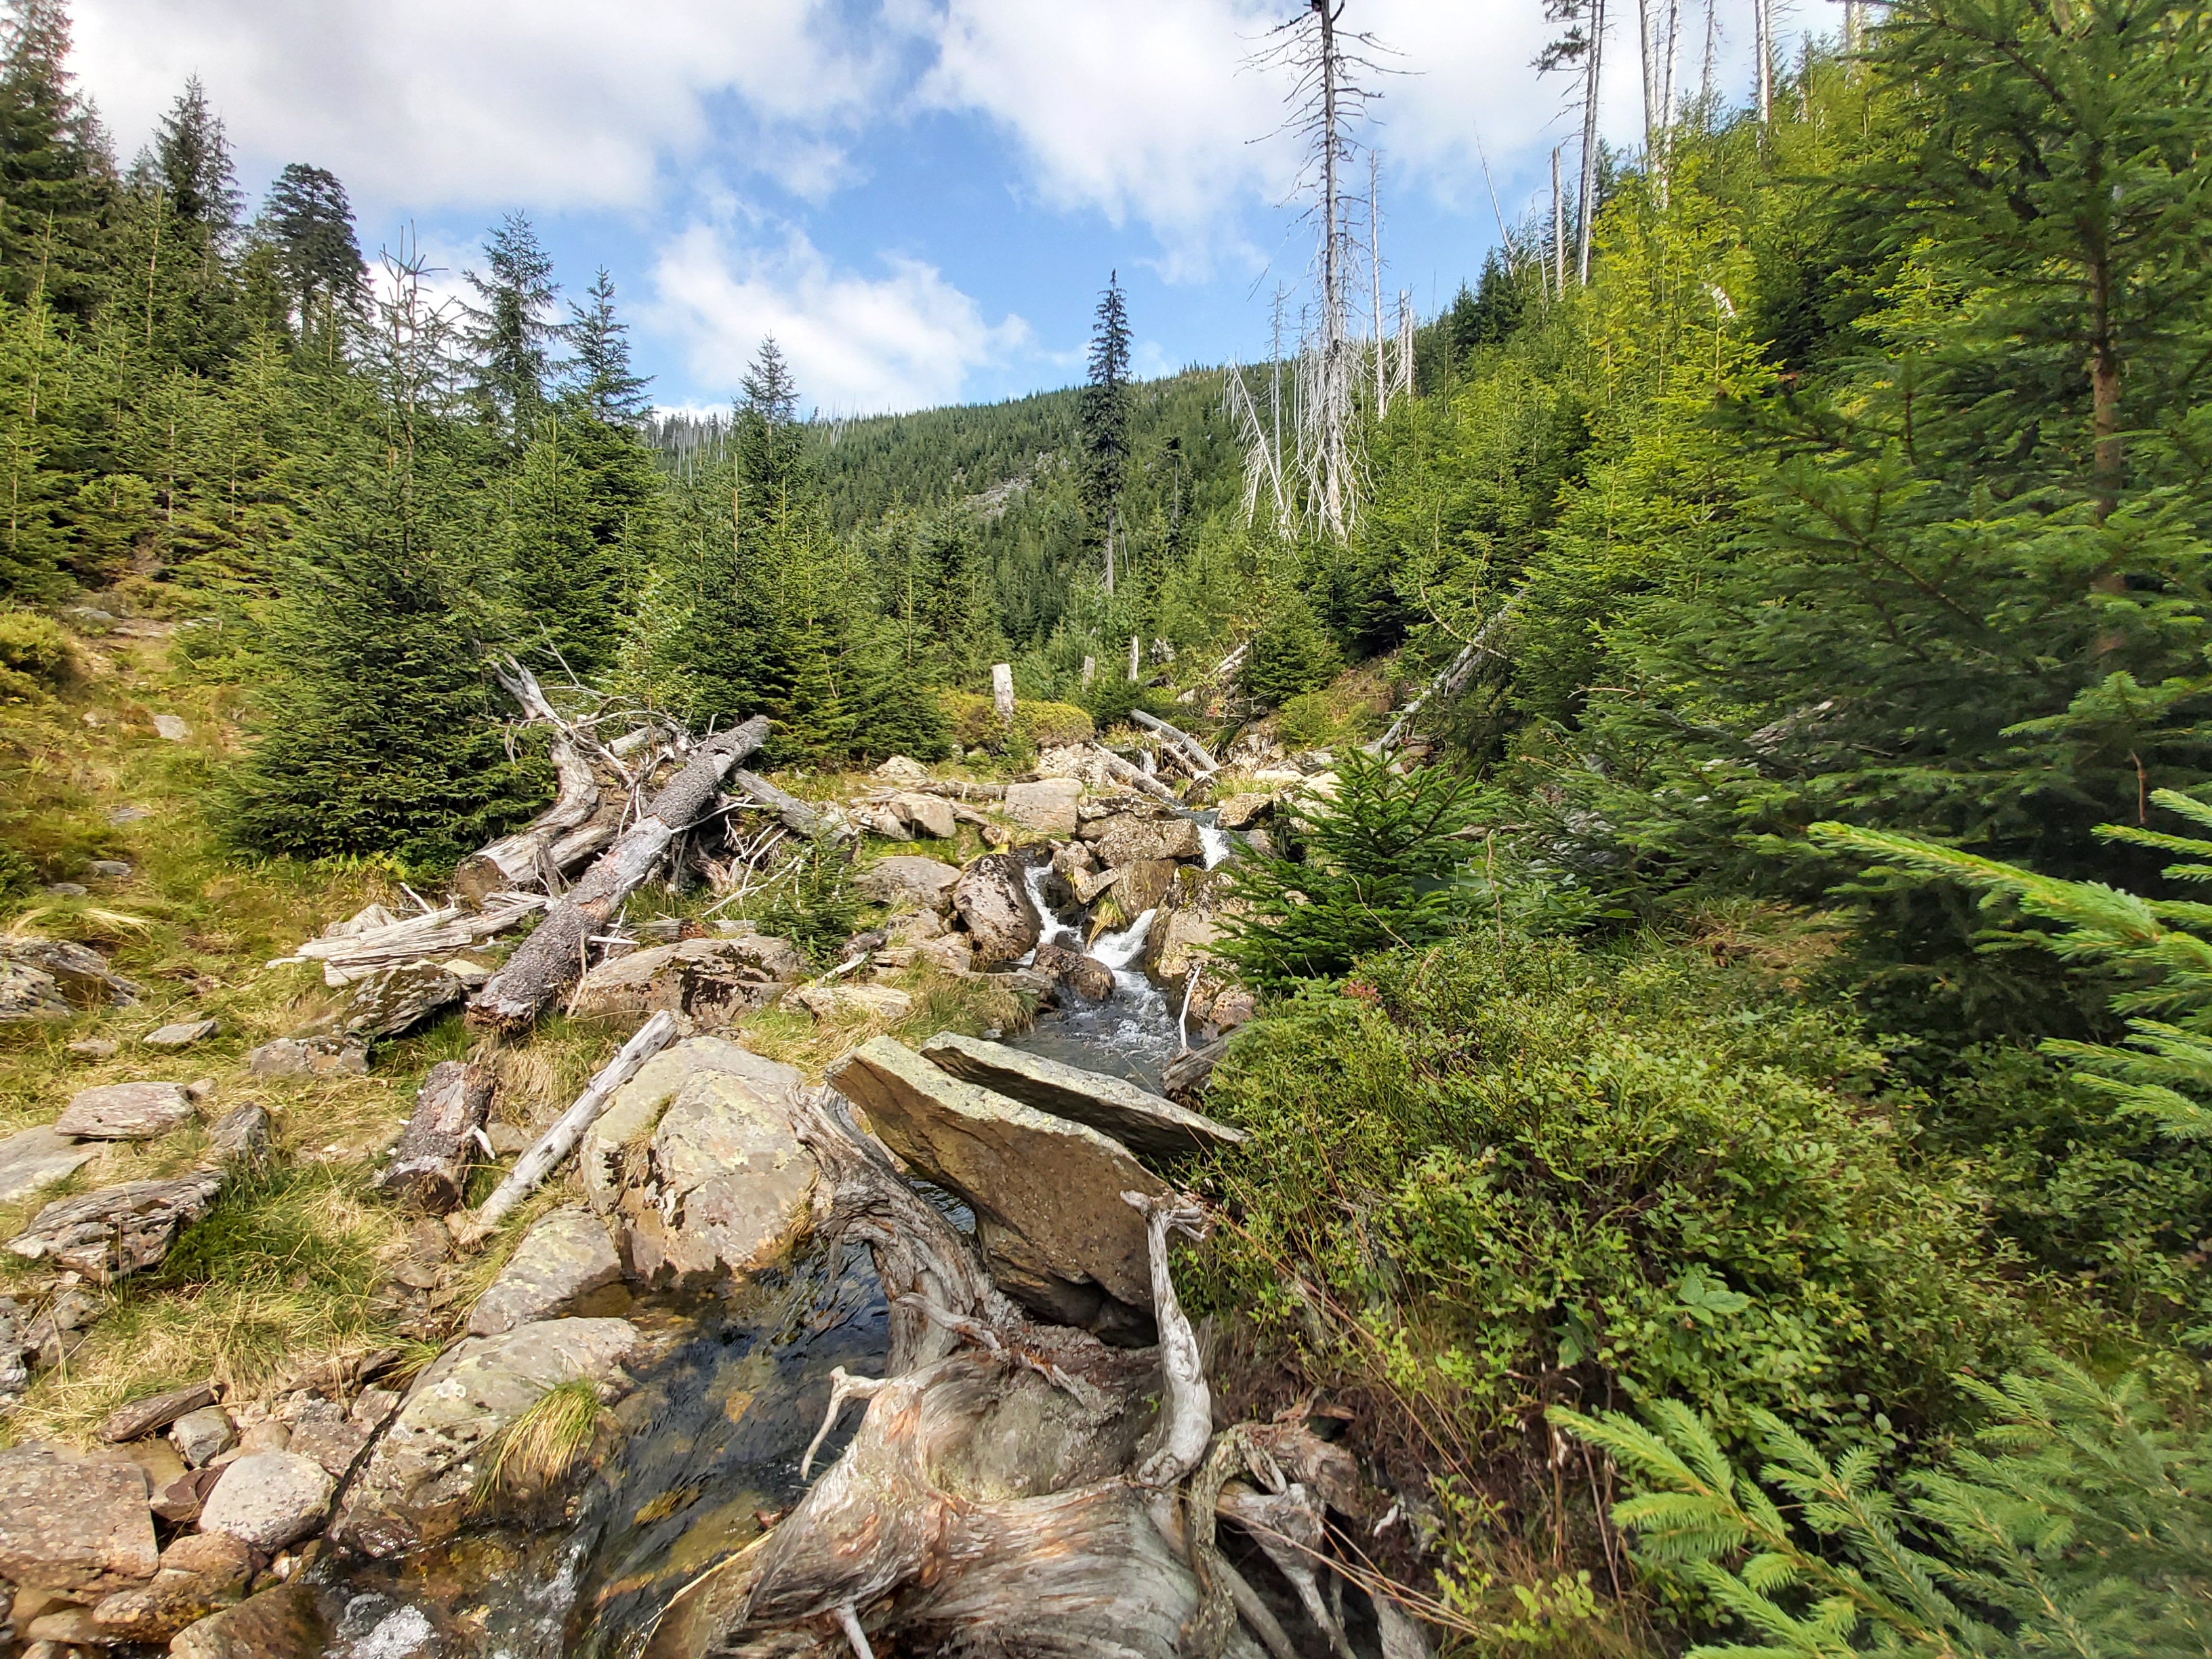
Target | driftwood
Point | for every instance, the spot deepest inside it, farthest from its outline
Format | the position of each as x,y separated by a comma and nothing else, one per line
526,857
551,959
554,1147
1014,1487
431,1167
1190,748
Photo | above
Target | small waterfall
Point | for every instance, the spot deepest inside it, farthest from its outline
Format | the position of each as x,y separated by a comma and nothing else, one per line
1216,842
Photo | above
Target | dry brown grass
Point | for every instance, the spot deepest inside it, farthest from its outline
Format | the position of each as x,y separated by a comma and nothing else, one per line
942,1002
540,1448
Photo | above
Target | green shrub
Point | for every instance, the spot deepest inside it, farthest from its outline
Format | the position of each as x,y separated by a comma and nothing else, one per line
35,657
1509,1172
976,723
1291,654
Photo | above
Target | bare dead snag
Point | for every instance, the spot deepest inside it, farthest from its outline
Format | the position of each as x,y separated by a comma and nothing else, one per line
431,1167
551,959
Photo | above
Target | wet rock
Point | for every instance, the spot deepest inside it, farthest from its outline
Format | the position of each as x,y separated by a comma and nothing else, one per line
52,979
154,1413
713,979
1047,806
33,1159
1050,1188
1125,839
117,1231
202,1435
324,1056
1087,886
199,1574
903,881
170,728
926,814
418,1478
181,1035
1086,977
286,1622
1143,884
1189,922
240,1134
694,1166
73,1524
124,1111
843,1001
1141,1121
1002,924
268,1499
1242,811
565,1256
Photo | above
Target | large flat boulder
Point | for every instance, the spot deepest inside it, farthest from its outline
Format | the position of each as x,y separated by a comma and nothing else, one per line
904,882
1126,838
1047,806
1003,926
1143,1121
565,1257
124,1111
1049,1189
417,1483
694,1166
1143,884
713,979
117,1231
35,1159
75,1524
926,815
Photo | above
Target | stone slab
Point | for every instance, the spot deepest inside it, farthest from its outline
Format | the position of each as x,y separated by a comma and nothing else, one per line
34,1159
72,1523
567,1256
124,1111
1144,1122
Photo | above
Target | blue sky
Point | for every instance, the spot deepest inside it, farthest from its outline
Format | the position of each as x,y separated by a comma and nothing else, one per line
920,198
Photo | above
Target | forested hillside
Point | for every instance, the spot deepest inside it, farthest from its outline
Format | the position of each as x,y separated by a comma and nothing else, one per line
1663,811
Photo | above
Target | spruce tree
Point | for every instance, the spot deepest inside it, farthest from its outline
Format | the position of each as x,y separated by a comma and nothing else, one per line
57,178
583,518
600,371
189,163
1105,422
512,326
309,224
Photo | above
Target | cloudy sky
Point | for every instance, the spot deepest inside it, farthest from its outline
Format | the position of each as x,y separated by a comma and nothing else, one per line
919,198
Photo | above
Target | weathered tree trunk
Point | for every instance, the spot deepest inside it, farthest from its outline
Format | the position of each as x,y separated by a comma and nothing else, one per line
1122,772
431,1167
552,958
525,857
557,1142
796,814
1014,1487
1193,750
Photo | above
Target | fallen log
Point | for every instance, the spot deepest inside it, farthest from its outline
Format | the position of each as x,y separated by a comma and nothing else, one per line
1191,748
1189,1073
796,814
431,1167
1122,772
552,958
1450,681
554,1147
525,858
350,957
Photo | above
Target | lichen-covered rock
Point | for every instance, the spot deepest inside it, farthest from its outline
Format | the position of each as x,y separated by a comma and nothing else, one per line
1242,811
200,1573
694,1166
75,1524
268,1499
565,1256
1143,884
117,1231
1189,922
203,1434
417,1483
904,881
323,1056
391,1000
45,979
1127,838
240,1134
713,979
842,1001
1003,926
36,1158
1047,806
124,1111
182,1034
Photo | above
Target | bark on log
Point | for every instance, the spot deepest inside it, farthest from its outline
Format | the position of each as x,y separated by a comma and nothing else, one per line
796,814
552,958
1192,748
554,1147
1122,772
431,1167
1189,1073
525,858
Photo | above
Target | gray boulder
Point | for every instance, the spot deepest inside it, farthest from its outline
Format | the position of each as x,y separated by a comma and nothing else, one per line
926,815
203,1435
1127,838
182,1034
240,1134
1143,1121
1047,806
694,1166
1189,923
565,1256
326,1056
34,1159
1143,884
713,979
1242,811
268,1499
124,1111
417,1483
1047,1192
1003,926
52,978
117,1231
73,1524
1086,977
903,882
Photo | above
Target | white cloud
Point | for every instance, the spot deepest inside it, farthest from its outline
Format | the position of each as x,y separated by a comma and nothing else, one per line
434,103
857,345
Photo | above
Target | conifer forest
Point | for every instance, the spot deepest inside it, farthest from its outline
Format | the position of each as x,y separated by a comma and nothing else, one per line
1533,980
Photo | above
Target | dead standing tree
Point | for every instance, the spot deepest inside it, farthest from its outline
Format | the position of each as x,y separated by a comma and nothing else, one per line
1581,46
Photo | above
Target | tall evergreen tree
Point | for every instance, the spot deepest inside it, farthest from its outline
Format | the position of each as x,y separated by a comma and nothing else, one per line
600,371
57,177
583,519
189,163
512,326
309,224
1105,422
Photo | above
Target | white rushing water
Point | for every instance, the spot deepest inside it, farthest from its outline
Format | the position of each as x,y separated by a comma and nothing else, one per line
1133,1033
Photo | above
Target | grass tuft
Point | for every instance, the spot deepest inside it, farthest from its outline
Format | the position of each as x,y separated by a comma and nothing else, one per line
538,1451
